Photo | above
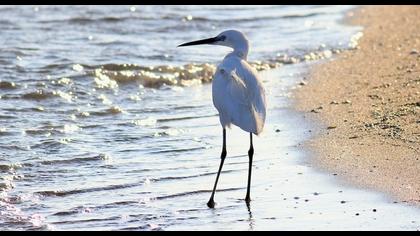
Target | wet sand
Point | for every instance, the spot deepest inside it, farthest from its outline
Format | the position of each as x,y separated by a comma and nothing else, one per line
367,104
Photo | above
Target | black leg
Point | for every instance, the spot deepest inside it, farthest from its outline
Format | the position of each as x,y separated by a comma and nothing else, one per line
222,157
250,155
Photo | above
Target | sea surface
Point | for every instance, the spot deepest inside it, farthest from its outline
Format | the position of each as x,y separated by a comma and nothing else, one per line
106,125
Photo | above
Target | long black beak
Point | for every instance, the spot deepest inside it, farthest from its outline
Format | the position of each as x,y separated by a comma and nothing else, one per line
203,41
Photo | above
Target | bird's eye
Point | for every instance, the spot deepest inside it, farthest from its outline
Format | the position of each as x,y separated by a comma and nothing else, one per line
222,38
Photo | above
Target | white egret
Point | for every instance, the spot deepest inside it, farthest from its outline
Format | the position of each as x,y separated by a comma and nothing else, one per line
238,94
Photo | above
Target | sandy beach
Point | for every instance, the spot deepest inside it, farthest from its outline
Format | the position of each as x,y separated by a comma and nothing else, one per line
367,104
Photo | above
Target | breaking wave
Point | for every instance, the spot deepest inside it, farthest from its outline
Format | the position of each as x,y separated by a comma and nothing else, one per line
113,75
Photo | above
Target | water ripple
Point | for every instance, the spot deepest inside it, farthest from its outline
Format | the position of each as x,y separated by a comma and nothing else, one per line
63,193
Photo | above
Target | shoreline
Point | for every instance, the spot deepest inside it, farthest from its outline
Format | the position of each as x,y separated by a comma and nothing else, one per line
366,102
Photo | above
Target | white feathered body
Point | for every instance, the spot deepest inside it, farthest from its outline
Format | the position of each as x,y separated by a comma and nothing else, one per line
238,95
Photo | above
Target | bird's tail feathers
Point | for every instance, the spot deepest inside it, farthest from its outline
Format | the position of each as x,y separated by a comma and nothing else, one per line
259,121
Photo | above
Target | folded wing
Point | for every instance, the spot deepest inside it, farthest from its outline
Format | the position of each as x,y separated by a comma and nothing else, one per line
247,96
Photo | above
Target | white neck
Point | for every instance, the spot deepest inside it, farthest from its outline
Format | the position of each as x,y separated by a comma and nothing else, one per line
241,50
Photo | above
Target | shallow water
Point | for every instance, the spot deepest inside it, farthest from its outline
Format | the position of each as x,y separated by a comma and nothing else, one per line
105,124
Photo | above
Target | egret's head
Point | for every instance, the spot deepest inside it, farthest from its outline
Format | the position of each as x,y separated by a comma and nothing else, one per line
229,38
232,39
